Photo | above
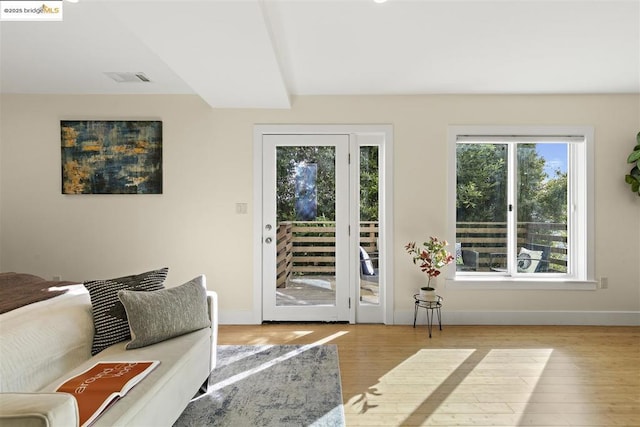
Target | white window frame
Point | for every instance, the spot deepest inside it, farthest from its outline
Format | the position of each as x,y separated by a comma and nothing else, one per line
580,213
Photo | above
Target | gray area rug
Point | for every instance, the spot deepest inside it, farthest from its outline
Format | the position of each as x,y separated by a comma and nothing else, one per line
270,385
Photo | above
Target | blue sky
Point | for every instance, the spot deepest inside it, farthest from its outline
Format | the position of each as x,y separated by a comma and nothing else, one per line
555,156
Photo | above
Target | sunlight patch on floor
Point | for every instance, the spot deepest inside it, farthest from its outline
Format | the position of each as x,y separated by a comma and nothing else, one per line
455,387
410,382
284,338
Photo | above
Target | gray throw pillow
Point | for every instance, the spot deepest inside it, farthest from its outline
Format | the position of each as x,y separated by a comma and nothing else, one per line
160,315
109,317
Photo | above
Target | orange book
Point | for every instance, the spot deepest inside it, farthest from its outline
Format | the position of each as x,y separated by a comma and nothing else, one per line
103,384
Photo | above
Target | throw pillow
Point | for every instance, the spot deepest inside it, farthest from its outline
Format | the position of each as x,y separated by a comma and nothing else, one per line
160,315
109,317
528,260
459,260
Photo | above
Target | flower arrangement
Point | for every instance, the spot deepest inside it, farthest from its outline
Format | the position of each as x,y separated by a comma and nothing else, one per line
430,257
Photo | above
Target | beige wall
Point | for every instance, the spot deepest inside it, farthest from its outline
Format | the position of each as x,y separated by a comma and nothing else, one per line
193,227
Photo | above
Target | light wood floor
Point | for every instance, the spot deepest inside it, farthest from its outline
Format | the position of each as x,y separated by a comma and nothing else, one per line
475,375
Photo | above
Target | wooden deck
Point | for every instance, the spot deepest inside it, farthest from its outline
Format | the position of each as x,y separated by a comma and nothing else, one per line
319,290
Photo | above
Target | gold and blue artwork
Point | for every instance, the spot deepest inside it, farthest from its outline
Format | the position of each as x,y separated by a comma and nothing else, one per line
111,157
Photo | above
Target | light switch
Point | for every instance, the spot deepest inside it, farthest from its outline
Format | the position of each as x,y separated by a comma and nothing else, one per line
241,208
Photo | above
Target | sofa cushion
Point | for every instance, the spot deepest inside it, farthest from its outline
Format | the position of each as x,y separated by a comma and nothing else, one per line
41,341
38,410
528,260
160,315
109,316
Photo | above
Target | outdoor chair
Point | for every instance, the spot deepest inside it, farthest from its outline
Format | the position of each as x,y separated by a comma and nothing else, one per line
368,271
533,258
466,259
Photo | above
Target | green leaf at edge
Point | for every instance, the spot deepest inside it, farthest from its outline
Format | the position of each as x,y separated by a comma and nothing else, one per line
634,156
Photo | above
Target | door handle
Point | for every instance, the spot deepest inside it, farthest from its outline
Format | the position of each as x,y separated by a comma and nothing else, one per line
268,240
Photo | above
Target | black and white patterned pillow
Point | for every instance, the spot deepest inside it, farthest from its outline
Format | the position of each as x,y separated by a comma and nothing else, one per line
109,316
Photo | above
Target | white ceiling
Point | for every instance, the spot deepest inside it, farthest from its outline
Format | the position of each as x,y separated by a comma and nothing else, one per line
260,53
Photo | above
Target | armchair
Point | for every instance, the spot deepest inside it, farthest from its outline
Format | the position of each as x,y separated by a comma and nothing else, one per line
470,260
466,259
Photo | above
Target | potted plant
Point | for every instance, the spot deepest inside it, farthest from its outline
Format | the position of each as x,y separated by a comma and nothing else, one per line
430,258
633,177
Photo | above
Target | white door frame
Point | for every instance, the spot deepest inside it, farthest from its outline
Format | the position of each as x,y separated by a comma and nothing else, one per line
386,207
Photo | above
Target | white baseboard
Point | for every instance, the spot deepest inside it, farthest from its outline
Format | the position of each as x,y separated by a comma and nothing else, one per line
227,317
599,318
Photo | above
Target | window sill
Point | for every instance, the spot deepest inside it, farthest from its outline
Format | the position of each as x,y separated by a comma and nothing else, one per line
510,283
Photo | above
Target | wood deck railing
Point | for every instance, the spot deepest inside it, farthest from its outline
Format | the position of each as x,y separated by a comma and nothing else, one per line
309,247
488,238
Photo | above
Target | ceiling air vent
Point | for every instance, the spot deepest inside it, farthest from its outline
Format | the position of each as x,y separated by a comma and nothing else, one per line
125,77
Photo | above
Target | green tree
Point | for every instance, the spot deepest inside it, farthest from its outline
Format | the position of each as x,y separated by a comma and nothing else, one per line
369,183
531,177
287,158
481,186
552,200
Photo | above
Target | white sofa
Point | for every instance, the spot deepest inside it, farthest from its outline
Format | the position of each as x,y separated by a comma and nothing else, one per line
43,344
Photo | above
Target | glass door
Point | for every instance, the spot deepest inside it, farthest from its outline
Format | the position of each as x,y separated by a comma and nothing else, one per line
367,179
305,235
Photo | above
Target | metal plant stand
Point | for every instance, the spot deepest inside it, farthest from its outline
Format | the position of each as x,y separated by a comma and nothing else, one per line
430,306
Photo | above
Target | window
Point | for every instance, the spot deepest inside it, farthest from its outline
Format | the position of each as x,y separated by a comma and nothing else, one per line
522,203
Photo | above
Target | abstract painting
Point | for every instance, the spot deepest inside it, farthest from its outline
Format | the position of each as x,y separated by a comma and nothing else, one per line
111,157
